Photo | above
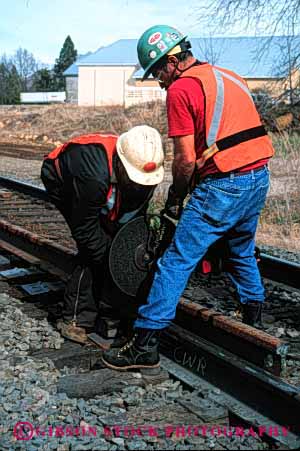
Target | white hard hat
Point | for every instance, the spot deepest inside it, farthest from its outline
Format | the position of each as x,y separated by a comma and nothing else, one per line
141,152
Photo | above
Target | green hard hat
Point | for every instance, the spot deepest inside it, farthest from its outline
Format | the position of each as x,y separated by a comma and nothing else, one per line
156,42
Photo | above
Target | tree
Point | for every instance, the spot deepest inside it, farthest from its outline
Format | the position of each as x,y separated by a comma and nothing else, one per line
42,80
270,17
3,83
285,66
210,50
10,83
67,56
14,86
26,65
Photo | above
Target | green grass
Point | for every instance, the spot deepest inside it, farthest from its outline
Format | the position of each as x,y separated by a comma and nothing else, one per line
281,211
287,144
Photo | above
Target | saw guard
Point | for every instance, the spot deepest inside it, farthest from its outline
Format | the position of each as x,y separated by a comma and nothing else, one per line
132,254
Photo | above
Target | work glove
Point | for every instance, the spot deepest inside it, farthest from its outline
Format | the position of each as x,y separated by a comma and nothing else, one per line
174,204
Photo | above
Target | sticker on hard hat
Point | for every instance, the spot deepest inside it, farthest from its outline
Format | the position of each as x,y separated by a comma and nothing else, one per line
149,167
168,38
162,46
174,36
154,38
152,54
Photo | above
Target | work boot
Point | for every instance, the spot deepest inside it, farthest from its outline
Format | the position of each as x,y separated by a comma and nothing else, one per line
251,313
68,329
139,352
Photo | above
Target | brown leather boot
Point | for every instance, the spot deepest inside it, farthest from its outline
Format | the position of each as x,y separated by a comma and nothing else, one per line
69,329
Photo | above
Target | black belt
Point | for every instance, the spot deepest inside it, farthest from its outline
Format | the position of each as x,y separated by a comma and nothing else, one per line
237,173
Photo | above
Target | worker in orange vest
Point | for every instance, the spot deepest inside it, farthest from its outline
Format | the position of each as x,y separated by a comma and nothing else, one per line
221,151
99,182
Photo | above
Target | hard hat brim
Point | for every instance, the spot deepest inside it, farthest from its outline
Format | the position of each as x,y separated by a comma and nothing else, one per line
141,177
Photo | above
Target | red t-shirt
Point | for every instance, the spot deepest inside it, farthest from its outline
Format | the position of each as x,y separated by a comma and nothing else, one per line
186,116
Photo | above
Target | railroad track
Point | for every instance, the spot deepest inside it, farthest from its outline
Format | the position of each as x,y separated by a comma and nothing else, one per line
24,151
202,345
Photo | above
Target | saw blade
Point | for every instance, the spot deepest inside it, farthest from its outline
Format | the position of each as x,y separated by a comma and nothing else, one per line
131,256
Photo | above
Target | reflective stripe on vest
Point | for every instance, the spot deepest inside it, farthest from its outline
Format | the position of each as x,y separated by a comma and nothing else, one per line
229,150
218,110
110,203
219,105
217,116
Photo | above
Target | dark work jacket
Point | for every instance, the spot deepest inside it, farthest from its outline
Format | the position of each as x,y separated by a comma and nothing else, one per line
82,194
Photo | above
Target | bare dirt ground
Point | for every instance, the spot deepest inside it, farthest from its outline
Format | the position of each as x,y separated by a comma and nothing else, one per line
45,127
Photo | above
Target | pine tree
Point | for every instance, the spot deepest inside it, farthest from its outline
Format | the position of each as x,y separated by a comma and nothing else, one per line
3,83
14,86
42,81
67,56
10,83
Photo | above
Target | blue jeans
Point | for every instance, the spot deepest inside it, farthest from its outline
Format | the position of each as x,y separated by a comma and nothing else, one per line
227,207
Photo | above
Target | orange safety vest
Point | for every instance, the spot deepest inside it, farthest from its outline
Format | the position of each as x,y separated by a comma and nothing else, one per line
235,136
112,206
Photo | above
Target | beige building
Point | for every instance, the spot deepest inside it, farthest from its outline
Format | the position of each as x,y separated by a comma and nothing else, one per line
111,75
274,86
103,85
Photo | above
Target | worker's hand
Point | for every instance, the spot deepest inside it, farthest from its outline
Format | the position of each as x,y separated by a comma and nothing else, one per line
174,204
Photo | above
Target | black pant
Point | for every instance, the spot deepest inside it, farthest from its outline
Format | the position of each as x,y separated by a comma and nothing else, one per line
91,297
95,300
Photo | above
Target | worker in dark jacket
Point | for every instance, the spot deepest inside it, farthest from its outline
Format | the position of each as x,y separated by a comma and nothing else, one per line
221,146
99,182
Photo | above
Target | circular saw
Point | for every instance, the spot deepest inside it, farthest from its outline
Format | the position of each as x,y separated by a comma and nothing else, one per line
136,248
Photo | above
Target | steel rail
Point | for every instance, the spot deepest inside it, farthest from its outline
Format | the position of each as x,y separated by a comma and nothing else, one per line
268,395
279,269
24,188
256,346
247,342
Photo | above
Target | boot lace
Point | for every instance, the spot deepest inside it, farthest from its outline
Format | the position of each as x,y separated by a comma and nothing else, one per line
127,346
